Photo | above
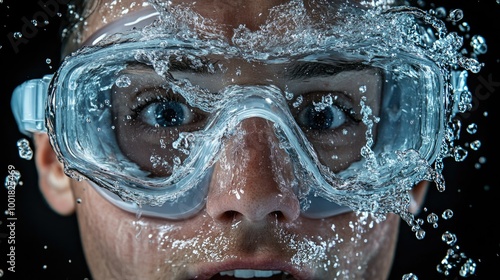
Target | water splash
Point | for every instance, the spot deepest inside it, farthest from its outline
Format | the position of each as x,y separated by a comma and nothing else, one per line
383,33
403,30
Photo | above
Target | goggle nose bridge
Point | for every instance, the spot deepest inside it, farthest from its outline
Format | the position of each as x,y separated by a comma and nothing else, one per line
267,102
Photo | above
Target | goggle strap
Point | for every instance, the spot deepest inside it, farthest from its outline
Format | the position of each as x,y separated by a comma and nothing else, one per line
28,105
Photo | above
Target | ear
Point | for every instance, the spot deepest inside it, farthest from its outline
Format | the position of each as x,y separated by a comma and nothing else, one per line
54,184
417,196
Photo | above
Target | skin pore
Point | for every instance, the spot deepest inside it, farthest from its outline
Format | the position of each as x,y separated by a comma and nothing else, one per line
249,221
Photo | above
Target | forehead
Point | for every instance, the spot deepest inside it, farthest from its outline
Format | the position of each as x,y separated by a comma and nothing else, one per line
228,14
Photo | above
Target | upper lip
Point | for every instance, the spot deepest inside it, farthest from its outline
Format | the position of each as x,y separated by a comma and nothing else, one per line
208,270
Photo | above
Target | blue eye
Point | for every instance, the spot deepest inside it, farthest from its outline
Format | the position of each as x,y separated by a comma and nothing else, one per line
314,117
167,113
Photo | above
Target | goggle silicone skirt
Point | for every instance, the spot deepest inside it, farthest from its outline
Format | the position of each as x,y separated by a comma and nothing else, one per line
147,121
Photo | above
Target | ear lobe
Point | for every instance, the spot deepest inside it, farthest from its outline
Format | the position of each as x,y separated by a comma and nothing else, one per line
54,184
417,196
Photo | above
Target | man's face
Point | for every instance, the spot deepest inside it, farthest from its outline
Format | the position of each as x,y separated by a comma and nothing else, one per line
250,226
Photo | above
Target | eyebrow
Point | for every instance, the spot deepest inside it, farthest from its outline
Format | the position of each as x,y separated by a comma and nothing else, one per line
293,71
304,70
205,65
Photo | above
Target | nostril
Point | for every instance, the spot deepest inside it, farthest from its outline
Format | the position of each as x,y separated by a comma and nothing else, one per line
229,216
278,215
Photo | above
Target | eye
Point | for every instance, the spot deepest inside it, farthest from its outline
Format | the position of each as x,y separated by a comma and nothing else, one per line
167,113
324,111
321,117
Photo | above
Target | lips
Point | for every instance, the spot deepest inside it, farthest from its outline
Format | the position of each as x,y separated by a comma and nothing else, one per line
252,274
269,270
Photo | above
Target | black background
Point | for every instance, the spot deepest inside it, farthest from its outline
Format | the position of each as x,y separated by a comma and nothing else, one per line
48,246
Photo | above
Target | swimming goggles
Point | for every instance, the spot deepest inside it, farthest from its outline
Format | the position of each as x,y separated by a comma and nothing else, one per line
146,120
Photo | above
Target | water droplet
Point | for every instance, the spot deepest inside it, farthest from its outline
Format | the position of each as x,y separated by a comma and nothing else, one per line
475,145
464,27
78,200
44,266
482,160
12,180
465,102
440,12
460,154
447,214
472,128
432,218
18,35
478,44
24,148
449,238
468,268
409,276
456,15
123,81
420,234
298,101
48,60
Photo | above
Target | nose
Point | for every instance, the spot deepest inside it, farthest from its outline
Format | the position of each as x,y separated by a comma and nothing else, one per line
253,178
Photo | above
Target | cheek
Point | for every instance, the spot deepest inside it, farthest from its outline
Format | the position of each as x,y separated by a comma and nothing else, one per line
351,245
122,245
114,241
